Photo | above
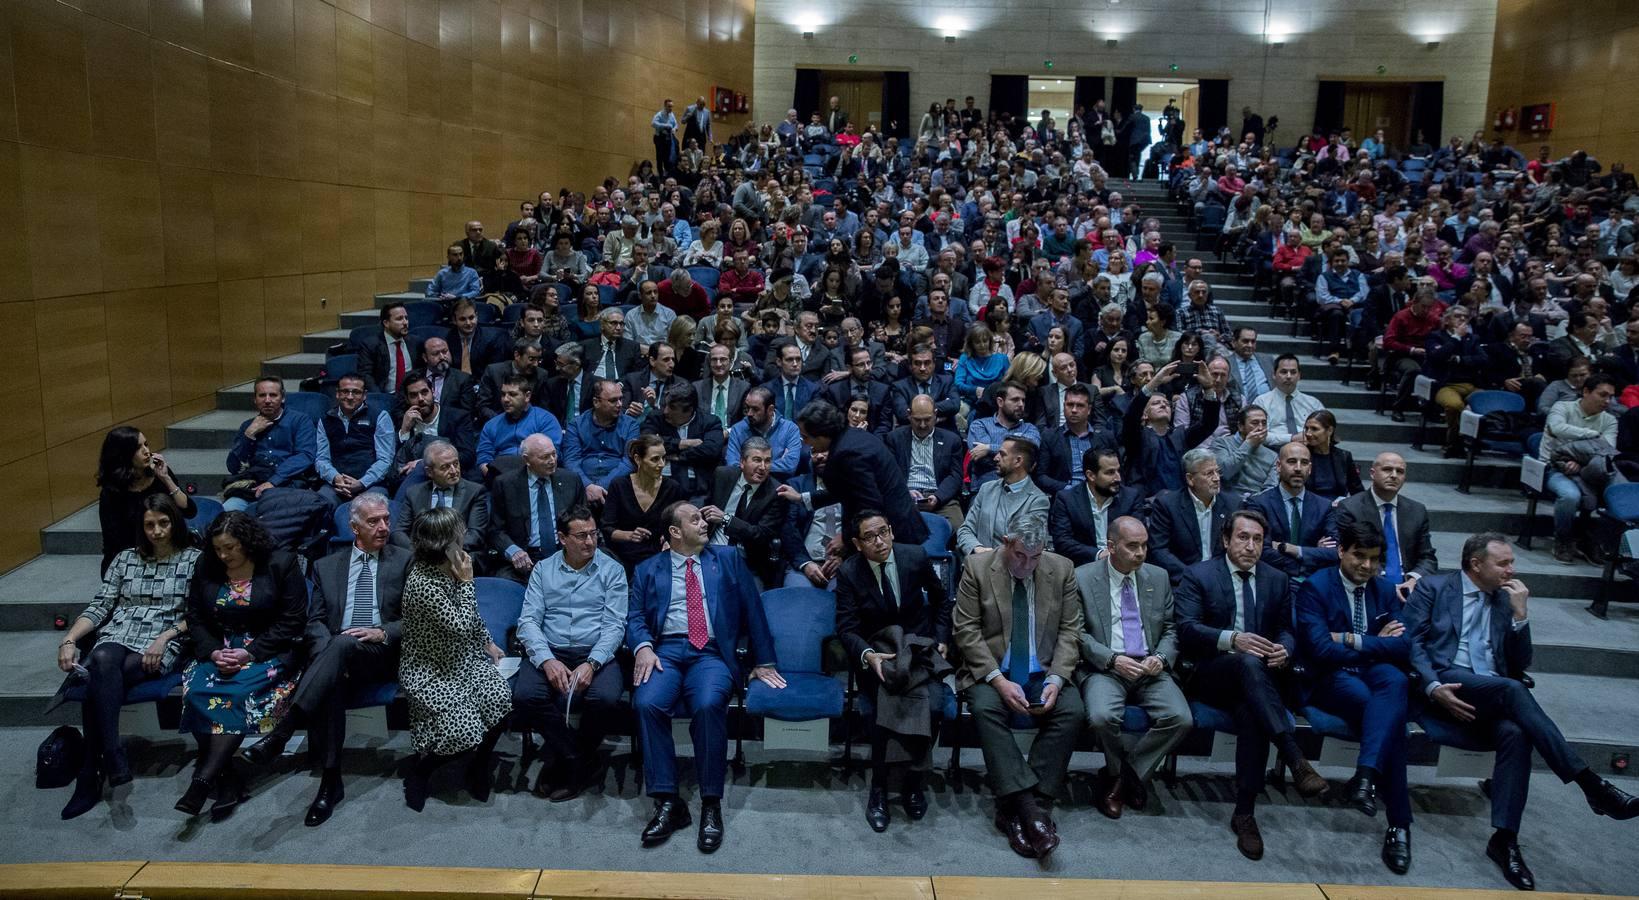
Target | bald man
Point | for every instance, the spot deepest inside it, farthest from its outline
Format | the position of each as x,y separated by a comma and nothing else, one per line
1408,547
1302,535
931,458
524,508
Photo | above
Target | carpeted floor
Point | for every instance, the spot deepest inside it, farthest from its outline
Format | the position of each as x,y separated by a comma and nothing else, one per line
800,818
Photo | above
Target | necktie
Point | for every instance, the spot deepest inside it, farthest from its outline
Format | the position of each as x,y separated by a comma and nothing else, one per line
1018,662
1249,615
398,364
887,587
571,402
364,597
719,403
1132,630
1294,527
746,491
1359,607
1391,546
790,400
609,370
545,528
1291,418
1479,639
466,355
695,604
438,500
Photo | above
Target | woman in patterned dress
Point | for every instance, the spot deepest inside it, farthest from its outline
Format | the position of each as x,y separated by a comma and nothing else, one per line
247,608
458,698
137,620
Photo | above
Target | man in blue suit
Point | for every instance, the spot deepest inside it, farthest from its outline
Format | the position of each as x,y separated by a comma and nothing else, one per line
1470,637
1185,524
688,608
1235,624
1355,649
1079,519
1302,529
791,391
938,386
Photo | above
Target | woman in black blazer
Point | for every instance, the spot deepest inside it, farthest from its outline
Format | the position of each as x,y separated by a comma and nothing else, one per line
1335,474
247,607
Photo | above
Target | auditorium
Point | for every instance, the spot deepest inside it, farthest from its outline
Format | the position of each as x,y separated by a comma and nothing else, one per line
771,449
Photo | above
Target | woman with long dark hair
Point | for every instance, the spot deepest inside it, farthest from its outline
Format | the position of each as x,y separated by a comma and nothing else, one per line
137,618
631,523
247,611
128,473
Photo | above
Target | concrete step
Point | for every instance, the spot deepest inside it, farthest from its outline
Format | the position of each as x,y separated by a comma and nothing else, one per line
294,367
399,297
321,341
77,533
419,286
236,396
214,430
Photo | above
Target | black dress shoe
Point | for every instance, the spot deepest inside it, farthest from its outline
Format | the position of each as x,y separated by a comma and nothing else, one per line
478,779
876,810
267,749
1134,791
669,815
1362,794
1040,830
416,789
330,795
1397,416
915,800
1009,824
230,792
1508,859
1397,850
1609,800
194,799
711,828
87,794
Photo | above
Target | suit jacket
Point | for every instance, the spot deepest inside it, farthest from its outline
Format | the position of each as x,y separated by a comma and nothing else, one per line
1622,363
1070,520
489,346
1053,472
277,617
1411,525
753,533
982,622
840,393
471,502
375,365
633,385
1319,521
731,597
1049,394
328,604
1325,606
1204,606
1344,471
1097,629
481,254
941,389
454,425
994,509
557,396
821,359
458,390
922,607
488,402
1434,624
864,477
629,356
509,523
692,467
733,408
807,389
1264,362
947,459
1175,539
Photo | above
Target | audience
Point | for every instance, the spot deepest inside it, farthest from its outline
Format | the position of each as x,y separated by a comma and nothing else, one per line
128,473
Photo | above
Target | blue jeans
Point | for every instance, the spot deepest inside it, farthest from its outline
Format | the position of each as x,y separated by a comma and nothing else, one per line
1567,505
237,504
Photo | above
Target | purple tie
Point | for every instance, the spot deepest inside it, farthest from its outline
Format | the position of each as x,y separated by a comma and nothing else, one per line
1132,631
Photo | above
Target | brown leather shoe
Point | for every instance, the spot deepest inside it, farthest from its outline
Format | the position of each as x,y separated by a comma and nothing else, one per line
1247,838
1307,780
1009,825
1109,802
1040,830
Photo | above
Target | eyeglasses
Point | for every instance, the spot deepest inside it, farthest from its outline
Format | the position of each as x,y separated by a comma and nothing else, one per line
582,535
881,534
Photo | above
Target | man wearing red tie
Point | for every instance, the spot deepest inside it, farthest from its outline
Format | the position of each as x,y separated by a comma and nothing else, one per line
688,607
386,356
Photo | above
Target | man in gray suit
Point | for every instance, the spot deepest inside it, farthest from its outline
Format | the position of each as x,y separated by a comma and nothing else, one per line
1250,373
1128,648
352,637
1408,547
1004,500
444,487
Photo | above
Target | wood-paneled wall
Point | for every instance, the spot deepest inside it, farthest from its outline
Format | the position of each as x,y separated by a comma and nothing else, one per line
1583,58
186,186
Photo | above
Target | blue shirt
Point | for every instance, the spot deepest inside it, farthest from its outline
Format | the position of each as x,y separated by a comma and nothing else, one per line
663,122
566,608
782,436
501,436
464,283
990,432
289,447
1079,445
386,446
595,453
1250,375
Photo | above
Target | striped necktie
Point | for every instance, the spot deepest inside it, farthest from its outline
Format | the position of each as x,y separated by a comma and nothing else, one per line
364,597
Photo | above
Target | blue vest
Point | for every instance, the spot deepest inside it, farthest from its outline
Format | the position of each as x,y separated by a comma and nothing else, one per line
352,449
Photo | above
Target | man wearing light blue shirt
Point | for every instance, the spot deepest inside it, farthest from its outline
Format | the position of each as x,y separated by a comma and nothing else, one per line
573,619
355,445
456,280
763,421
664,124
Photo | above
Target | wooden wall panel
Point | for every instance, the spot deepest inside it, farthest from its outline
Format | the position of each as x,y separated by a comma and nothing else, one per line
194,184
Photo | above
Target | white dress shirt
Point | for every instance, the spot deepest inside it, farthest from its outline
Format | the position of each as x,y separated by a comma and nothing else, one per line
1118,634
1226,637
720,536
1203,522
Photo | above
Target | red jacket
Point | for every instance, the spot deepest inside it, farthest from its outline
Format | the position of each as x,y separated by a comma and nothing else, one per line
696,304
1407,329
1289,260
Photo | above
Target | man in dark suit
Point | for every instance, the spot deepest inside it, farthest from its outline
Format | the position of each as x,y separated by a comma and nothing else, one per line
1065,446
568,393
1235,624
869,479
1154,448
925,380
387,355
446,488
744,510
1400,522
1512,363
611,355
1623,362
1470,642
481,253
473,349
790,388
721,392
931,458
694,441
1386,299
646,390
1185,524
1355,651
818,360
1302,534
352,636
857,385
451,386
889,584
689,607
426,420
524,505
1079,519
525,362
1053,392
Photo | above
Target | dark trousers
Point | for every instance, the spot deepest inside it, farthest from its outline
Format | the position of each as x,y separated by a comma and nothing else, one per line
113,670
917,748
1507,714
1241,685
703,680
1374,702
665,150
343,659
1404,372
1056,732
540,707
